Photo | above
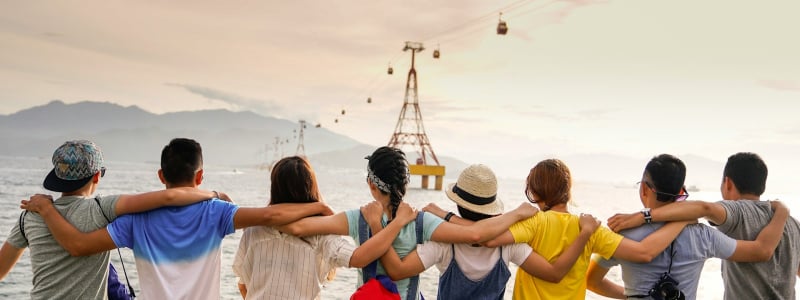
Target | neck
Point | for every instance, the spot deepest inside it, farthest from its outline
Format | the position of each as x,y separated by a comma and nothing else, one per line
177,185
749,197
562,207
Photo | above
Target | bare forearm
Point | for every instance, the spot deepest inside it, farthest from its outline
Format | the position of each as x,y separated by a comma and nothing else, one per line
151,200
64,232
9,255
609,289
282,214
375,246
243,290
488,229
688,211
564,263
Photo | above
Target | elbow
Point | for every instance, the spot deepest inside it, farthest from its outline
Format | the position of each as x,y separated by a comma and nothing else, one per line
552,278
76,250
475,238
763,256
294,229
644,258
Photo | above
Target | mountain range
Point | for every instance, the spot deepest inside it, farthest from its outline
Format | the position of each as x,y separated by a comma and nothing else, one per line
247,139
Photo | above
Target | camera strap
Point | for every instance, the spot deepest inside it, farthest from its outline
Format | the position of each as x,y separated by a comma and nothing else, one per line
669,269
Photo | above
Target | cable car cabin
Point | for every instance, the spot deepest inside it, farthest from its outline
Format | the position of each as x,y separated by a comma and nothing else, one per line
336,121
369,100
390,71
318,125
436,53
343,112
502,28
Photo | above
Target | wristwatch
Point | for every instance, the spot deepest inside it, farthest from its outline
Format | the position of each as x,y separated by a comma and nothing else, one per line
647,218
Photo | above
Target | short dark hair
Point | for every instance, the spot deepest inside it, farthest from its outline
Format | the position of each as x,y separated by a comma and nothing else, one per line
180,160
668,174
293,181
471,215
748,172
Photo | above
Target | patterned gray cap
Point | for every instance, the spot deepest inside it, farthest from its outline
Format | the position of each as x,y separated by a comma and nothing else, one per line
74,164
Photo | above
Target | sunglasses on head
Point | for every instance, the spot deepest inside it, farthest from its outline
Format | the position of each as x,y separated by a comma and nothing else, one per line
679,197
102,171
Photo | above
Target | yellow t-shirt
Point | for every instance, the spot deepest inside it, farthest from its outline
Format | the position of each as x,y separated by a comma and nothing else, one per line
549,234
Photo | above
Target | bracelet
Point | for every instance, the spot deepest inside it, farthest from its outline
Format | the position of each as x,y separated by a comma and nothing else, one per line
216,194
449,215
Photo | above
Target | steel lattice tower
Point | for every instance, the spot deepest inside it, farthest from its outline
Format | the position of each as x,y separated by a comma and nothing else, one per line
301,148
409,129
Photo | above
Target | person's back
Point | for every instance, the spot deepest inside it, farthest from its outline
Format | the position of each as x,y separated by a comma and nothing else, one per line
549,233
53,267
687,255
176,248
772,279
275,265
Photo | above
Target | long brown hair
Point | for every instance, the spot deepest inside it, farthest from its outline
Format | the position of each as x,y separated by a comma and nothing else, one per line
293,181
551,181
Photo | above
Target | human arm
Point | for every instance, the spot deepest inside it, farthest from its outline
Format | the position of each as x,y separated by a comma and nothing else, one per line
178,196
764,246
335,224
676,211
441,213
9,255
539,267
596,282
652,245
377,245
76,243
278,214
482,230
243,290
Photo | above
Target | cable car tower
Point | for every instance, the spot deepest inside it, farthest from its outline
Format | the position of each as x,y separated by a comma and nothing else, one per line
410,130
301,148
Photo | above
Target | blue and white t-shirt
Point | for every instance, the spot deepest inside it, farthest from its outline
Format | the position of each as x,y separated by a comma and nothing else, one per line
177,249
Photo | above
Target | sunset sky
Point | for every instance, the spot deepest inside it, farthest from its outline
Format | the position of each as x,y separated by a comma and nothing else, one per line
631,78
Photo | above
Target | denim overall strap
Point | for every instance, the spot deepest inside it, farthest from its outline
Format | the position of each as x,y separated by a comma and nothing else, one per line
369,271
453,284
413,282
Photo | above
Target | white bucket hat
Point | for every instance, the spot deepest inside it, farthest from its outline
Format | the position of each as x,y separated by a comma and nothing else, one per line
476,191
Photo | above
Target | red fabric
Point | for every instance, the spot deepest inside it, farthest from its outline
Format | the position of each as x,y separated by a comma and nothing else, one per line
375,289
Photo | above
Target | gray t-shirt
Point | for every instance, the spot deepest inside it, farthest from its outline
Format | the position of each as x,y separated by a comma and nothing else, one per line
695,244
56,274
772,279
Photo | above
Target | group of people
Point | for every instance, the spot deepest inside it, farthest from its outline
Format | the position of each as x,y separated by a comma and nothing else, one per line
294,244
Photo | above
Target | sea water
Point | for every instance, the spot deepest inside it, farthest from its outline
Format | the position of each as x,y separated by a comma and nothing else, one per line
342,189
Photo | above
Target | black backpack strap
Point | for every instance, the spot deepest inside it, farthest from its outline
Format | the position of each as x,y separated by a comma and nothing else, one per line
22,224
413,282
130,287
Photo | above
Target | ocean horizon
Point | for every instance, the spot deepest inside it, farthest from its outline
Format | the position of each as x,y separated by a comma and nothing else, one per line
342,189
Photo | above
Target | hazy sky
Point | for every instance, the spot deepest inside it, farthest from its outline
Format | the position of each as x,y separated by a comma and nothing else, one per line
632,78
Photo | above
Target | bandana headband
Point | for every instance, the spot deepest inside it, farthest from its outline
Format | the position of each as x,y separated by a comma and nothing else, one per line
384,187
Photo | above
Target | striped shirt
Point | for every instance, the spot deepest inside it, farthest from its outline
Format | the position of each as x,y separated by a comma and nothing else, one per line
274,265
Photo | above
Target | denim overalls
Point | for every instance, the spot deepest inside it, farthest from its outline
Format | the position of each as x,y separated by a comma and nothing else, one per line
453,284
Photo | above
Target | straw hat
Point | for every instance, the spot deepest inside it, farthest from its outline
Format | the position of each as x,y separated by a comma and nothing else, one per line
476,190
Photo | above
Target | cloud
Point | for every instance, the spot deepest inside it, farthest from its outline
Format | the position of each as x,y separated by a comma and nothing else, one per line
265,107
780,85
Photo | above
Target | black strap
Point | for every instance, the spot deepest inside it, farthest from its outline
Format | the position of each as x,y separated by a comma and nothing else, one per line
371,269
22,223
669,269
124,272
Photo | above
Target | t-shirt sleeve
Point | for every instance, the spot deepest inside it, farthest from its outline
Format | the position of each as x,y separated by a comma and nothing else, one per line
605,242
429,224
733,217
606,263
239,258
431,253
15,237
121,231
720,245
518,253
108,205
226,211
352,223
338,250
524,231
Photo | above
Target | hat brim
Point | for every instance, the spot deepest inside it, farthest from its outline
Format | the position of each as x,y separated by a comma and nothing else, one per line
492,209
55,184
